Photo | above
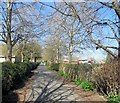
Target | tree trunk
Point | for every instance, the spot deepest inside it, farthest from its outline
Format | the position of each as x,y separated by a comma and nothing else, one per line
71,42
9,48
119,41
9,41
22,56
35,59
58,56
70,52
117,10
119,50
118,89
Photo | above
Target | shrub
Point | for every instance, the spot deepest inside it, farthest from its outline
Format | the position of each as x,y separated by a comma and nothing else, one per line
107,79
63,74
87,86
7,76
78,82
55,66
14,73
35,65
78,71
113,99
23,69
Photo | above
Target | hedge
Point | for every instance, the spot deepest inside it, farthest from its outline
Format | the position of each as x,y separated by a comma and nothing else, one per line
78,71
14,73
107,78
55,66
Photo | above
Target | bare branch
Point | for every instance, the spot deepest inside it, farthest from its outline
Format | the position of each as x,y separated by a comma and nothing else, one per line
55,9
106,4
101,46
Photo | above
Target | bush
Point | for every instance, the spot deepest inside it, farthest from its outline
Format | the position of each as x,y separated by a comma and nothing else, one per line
113,99
87,86
35,65
78,71
63,74
78,82
108,79
14,73
75,71
55,66
8,75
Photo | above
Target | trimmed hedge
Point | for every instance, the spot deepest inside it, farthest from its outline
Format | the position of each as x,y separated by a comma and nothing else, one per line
14,73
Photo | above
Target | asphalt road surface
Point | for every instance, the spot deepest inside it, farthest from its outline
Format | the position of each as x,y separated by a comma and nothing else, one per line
49,87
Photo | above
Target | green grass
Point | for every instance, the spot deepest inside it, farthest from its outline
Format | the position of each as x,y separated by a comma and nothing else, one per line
63,74
114,99
77,82
85,85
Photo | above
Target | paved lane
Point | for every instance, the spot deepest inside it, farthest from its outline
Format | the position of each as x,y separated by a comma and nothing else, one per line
49,87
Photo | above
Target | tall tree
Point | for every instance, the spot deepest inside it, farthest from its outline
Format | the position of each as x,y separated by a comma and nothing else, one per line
28,51
69,29
54,49
115,5
101,24
88,15
8,20
18,24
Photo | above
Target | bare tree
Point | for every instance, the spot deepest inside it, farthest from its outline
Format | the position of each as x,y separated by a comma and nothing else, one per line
87,14
17,24
54,49
114,5
28,51
69,27
96,24
7,35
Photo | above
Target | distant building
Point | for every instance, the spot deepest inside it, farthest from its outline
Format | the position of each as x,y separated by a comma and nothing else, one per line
83,61
3,58
3,54
65,61
77,61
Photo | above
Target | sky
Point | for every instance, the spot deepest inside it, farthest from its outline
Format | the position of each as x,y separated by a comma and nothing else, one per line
99,54
53,0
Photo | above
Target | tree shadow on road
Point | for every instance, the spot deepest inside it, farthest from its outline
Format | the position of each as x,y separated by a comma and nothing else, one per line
51,91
